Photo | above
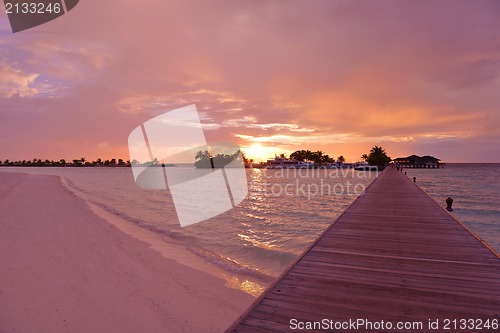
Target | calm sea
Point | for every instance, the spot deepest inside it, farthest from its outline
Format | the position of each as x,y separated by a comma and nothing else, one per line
284,212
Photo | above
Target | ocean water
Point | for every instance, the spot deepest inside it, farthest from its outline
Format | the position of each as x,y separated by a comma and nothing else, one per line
284,212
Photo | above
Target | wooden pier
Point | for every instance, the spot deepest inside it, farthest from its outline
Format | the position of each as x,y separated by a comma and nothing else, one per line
394,255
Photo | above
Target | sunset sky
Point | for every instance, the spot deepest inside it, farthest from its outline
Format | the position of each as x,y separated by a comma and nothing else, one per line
416,77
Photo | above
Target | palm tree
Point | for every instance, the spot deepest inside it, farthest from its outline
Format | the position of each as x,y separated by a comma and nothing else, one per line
246,161
204,159
377,150
202,155
341,158
378,156
307,155
326,159
364,157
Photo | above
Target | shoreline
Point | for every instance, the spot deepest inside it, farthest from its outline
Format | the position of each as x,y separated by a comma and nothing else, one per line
91,275
172,249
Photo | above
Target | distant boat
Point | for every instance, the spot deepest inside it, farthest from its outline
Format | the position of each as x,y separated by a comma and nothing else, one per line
339,165
288,163
363,166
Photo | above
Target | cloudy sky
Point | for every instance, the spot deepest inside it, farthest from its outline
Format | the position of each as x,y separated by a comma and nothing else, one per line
417,77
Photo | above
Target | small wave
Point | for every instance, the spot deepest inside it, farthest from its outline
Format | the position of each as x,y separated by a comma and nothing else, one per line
143,224
229,264
73,188
84,195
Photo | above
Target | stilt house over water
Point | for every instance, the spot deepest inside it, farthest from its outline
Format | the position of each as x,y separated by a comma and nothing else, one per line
415,161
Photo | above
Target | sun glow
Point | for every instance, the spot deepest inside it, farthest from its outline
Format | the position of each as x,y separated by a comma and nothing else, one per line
259,153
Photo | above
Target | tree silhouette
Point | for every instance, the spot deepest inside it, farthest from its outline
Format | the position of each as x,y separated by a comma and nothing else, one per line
247,161
202,155
37,162
204,159
309,156
378,157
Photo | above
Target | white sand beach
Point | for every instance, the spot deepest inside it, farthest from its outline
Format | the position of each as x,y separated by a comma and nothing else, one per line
65,269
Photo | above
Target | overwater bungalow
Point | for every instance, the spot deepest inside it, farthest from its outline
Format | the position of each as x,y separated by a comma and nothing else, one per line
415,161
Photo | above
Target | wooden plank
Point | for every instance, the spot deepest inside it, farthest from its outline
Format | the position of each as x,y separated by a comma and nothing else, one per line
447,273
394,254
370,298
